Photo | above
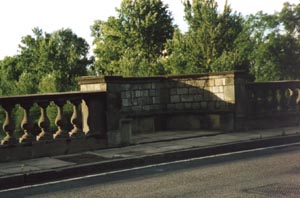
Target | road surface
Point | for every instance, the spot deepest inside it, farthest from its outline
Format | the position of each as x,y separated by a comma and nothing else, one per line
273,172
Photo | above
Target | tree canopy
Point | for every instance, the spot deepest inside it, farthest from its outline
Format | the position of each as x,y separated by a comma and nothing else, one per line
213,42
47,62
276,44
131,43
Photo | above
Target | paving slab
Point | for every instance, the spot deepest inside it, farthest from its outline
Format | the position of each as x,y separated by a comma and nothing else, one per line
171,135
19,169
47,163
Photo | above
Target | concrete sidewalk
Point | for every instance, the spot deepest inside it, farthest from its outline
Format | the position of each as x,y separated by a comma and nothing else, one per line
148,149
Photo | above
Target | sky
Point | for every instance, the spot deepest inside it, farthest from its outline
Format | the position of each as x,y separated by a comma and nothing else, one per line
19,17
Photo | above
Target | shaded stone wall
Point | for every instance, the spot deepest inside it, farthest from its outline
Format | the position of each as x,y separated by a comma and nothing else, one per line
184,102
206,93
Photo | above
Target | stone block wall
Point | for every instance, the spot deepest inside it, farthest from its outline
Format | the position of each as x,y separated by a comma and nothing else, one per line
171,102
173,94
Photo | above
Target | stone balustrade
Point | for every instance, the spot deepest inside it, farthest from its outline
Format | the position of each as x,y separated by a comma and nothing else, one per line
272,104
273,97
88,123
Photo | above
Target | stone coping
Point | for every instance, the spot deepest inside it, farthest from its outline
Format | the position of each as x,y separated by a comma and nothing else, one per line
275,84
50,96
102,79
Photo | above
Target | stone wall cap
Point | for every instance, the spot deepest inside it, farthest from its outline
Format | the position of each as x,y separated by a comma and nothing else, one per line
115,79
90,80
51,96
275,84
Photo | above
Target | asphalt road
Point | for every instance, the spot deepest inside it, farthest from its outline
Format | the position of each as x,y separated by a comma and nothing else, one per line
265,173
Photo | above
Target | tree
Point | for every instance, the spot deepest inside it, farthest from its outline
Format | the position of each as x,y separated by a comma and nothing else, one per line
131,43
60,54
275,55
9,73
214,42
46,63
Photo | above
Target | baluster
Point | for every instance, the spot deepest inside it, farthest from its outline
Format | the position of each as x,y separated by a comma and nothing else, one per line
265,101
290,101
277,100
85,105
260,99
44,123
273,100
75,120
282,100
268,100
59,121
298,97
293,97
253,101
26,124
8,126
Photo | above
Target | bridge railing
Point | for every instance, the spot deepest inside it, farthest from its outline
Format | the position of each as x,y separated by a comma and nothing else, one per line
273,98
87,118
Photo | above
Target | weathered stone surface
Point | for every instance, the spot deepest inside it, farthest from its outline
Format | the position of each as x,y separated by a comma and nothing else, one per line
220,96
193,90
180,106
138,93
125,102
198,98
148,86
137,108
218,89
93,87
134,101
187,98
188,105
145,93
171,106
196,105
211,106
201,83
175,99
126,131
208,96
229,81
146,107
173,91
152,92
214,121
156,100
218,105
210,83
229,93
181,91
203,105
220,82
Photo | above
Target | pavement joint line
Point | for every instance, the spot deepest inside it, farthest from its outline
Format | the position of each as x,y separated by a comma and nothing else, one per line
179,138
148,166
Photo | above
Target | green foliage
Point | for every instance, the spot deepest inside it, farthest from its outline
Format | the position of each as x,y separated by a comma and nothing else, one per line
214,42
60,56
9,71
131,44
276,41
46,63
